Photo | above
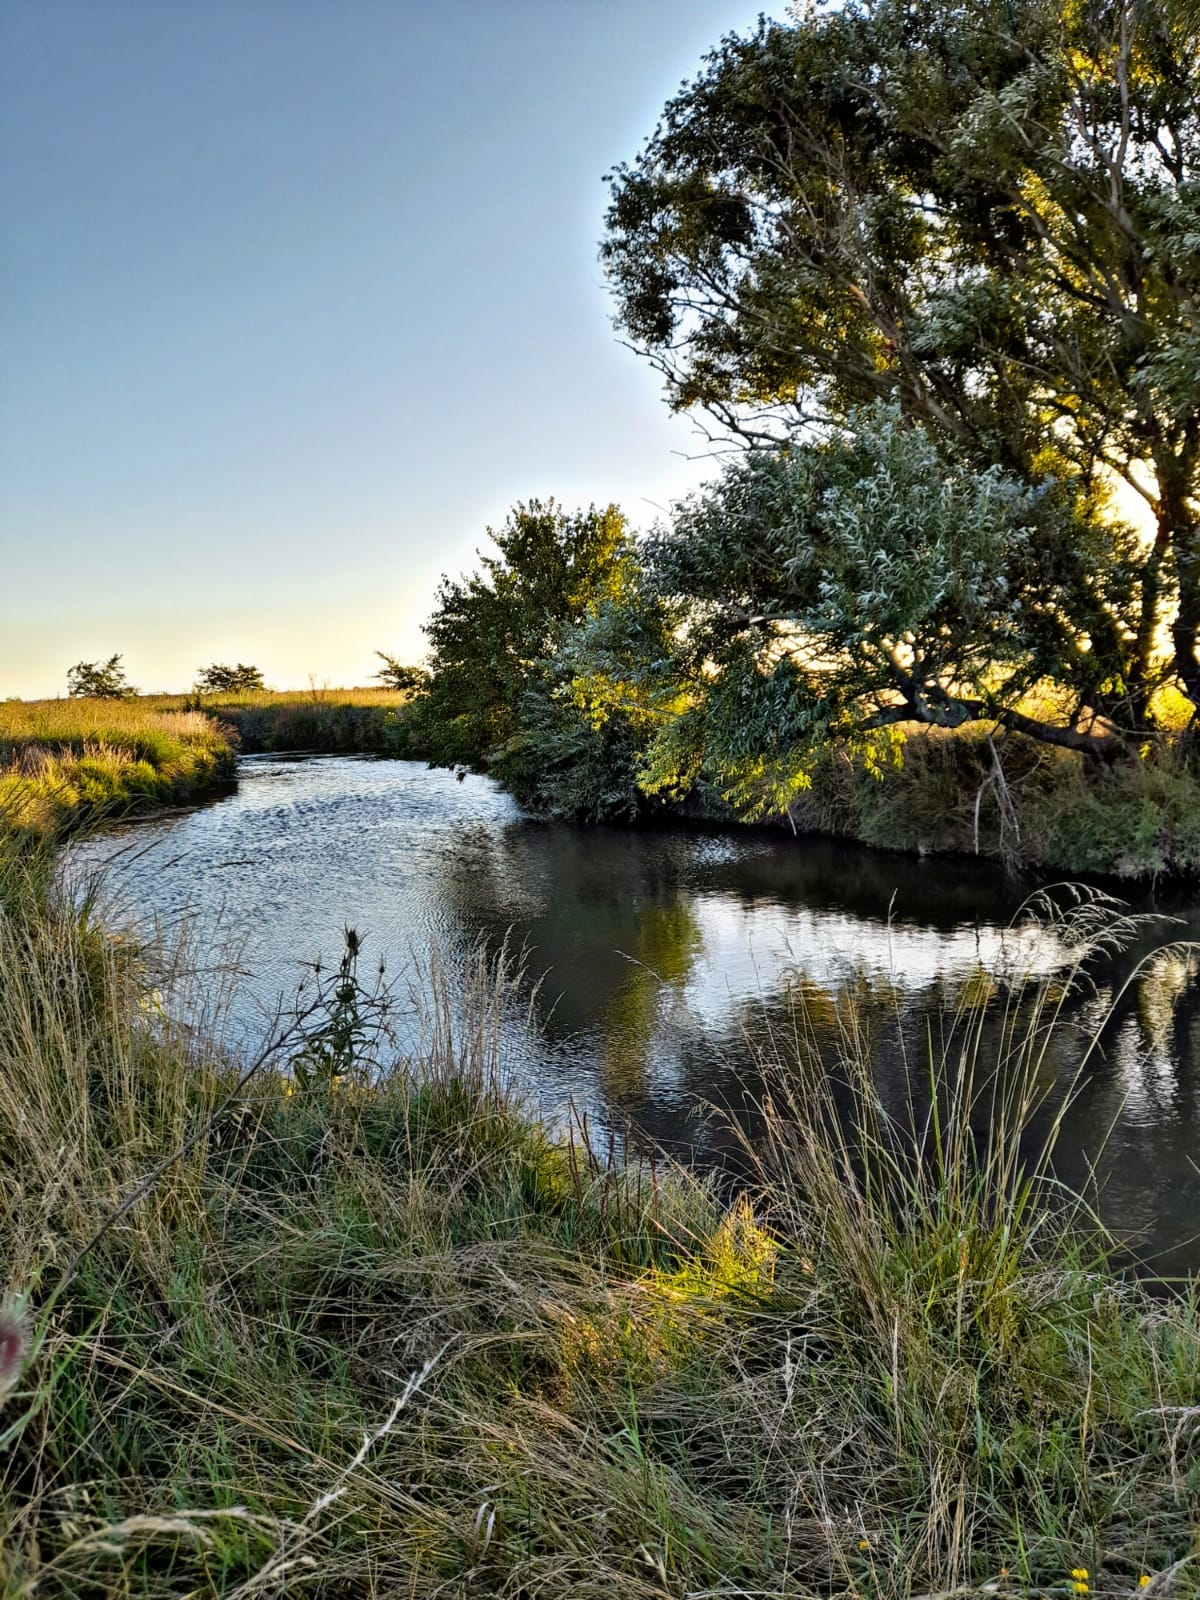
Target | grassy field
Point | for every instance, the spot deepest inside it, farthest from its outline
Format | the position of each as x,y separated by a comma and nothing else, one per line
64,760
339,721
364,1327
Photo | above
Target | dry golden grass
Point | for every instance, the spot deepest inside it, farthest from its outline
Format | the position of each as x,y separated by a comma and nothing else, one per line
120,724
324,695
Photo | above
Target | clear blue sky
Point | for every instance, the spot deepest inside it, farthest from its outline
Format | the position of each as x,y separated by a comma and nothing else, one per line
297,297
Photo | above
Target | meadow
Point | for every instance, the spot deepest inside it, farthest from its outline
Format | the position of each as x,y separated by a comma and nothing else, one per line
337,721
325,1319
62,761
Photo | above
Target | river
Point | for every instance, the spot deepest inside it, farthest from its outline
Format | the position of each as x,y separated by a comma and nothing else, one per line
667,961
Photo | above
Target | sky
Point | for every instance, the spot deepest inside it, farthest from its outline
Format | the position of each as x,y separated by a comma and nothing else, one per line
297,297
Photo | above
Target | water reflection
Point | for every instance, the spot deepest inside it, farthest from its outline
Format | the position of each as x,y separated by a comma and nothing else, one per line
669,961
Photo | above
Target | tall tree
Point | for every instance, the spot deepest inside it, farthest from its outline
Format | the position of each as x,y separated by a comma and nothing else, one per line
500,695
984,211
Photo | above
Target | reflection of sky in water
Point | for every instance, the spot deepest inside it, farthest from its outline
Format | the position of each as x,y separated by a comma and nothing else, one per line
746,950
664,955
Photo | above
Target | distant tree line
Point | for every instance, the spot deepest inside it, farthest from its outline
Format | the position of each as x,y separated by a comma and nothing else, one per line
106,680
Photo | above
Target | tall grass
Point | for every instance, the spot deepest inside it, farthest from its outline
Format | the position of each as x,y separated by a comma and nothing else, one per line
63,760
340,721
369,1329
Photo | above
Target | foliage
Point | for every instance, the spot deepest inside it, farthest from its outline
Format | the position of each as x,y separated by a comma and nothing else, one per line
397,676
503,695
221,679
967,792
342,723
831,633
986,215
99,680
838,590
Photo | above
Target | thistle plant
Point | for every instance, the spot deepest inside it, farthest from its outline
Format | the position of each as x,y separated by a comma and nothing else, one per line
349,1022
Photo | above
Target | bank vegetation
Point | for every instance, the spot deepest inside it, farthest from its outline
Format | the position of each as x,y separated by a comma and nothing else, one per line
327,1317
62,761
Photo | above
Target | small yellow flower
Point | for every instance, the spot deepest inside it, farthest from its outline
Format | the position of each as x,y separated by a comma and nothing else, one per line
1079,1574
1143,1580
1080,1588
864,1544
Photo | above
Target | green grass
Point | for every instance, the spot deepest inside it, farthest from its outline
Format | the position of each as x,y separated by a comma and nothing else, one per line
373,1330
62,761
338,721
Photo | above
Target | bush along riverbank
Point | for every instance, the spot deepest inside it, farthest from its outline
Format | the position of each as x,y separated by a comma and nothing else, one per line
346,1322
603,677
62,761
970,792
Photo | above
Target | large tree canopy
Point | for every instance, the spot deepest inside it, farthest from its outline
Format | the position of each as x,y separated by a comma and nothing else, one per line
986,213
836,591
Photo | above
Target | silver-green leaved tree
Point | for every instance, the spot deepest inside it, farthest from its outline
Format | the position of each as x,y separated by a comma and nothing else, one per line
985,214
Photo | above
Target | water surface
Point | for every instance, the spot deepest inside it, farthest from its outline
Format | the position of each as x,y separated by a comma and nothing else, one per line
670,959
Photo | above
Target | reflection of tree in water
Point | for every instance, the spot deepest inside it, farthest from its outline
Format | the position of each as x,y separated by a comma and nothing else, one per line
666,945
584,901
833,873
611,919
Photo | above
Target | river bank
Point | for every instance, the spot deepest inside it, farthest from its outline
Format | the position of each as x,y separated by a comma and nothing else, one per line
360,1322
65,761
964,792
658,955
1009,799
359,721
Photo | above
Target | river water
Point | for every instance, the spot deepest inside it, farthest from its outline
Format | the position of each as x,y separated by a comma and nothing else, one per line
668,961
